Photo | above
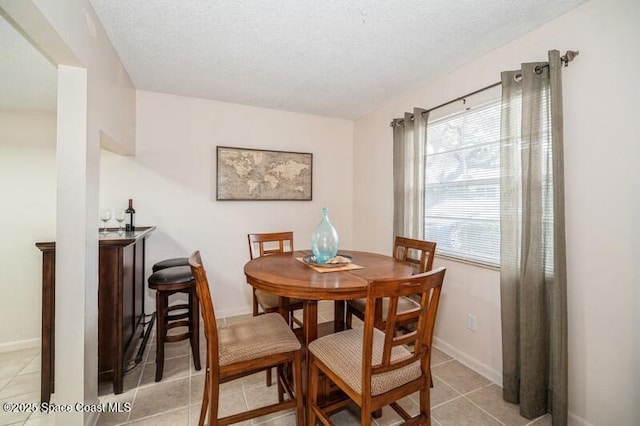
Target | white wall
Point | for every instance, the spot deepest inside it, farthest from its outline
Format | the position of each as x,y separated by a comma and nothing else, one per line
111,98
27,215
96,104
108,108
601,91
172,182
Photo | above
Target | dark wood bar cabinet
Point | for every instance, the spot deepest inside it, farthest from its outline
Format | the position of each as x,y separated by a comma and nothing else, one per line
121,293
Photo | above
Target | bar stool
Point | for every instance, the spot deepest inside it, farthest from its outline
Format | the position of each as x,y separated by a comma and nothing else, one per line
167,281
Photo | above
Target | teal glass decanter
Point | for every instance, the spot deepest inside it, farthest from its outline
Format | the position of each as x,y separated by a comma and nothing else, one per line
324,240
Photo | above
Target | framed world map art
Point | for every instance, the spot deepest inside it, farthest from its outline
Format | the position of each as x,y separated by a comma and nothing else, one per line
261,175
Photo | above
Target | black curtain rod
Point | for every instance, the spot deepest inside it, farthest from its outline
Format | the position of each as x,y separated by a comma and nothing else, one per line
565,59
460,98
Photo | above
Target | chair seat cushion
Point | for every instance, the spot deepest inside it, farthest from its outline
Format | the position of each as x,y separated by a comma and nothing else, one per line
170,263
172,277
405,304
255,338
342,353
271,301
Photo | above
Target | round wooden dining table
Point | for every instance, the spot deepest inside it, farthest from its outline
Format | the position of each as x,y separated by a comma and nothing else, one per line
286,275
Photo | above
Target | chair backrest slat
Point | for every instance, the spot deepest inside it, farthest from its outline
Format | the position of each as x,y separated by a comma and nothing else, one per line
380,368
405,339
417,252
428,286
263,244
390,342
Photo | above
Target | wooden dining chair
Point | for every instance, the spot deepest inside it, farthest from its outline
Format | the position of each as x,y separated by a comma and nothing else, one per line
372,367
264,302
417,253
264,245
242,348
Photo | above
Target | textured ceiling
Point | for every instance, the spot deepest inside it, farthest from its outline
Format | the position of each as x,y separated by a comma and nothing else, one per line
337,58
28,81
330,57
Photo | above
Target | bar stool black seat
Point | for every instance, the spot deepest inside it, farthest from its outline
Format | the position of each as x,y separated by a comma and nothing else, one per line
170,263
168,281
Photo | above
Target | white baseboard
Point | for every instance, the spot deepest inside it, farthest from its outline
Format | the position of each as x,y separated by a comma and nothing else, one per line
490,373
19,345
574,420
472,363
233,312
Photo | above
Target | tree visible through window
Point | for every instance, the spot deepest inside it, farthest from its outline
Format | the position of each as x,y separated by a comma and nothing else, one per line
462,191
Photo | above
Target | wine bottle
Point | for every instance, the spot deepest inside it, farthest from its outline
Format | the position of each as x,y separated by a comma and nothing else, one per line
130,212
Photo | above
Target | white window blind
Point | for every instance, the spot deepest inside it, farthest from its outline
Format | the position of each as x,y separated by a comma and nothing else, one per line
462,194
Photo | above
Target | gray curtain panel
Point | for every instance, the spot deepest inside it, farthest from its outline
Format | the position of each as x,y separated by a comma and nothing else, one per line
409,165
532,226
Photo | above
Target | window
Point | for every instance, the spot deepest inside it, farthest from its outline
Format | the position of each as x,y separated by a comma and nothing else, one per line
462,194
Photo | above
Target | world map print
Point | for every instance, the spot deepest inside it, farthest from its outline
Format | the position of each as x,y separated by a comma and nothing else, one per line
251,174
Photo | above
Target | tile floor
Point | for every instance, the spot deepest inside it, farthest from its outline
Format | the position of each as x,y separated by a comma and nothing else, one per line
19,382
460,396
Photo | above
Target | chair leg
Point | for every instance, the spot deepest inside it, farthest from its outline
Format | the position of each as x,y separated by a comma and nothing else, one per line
214,389
285,311
256,312
194,328
425,403
254,302
365,418
205,395
269,382
312,392
279,378
161,304
365,411
214,397
349,319
297,378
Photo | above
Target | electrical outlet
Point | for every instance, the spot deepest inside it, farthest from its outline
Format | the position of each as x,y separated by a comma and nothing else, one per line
472,322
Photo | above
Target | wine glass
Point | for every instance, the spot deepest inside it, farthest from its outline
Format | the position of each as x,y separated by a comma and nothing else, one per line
120,216
105,216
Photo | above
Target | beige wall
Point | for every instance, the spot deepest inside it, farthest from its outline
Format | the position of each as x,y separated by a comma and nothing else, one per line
602,206
28,188
172,182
